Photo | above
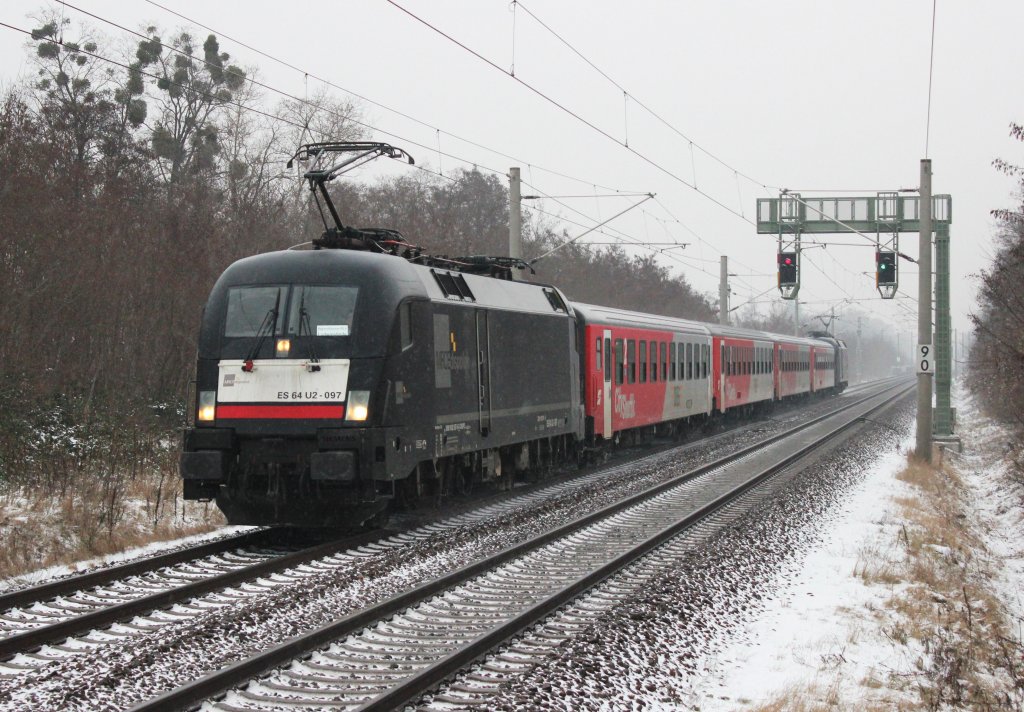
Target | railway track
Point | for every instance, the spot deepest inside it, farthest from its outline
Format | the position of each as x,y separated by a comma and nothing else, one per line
57,611
391,653
76,615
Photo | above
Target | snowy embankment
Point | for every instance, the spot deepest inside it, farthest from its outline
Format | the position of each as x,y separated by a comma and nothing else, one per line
897,607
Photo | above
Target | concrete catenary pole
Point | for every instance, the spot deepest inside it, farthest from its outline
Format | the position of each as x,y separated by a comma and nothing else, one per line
515,217
723,291
924,314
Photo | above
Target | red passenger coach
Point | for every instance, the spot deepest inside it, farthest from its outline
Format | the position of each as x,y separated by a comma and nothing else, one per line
641,370
823,367
793,364
743,375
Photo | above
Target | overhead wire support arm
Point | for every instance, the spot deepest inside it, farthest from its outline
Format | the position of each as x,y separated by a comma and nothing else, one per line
650,196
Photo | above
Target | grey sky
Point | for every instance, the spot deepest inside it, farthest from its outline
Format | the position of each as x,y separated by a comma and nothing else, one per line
797,94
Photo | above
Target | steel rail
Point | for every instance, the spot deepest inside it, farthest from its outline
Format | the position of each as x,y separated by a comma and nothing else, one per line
36,637
83,582
232,675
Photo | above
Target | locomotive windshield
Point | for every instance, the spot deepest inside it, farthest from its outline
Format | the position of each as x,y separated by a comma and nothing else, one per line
322,310
315,321
249,308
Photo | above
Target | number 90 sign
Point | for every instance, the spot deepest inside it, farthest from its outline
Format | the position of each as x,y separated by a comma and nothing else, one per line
925,359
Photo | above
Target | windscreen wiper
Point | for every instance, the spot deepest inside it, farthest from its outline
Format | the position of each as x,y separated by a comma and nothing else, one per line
314,362
267,327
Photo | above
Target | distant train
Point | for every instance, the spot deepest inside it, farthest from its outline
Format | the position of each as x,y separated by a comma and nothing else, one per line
333,382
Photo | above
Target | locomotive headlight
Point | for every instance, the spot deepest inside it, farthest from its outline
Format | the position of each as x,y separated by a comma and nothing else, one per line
207,406
358,406
284,346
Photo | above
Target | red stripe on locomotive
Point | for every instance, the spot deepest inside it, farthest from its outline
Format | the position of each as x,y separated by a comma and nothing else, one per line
280,412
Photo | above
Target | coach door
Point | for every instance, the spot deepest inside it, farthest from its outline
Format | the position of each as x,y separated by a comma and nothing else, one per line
483,360
607,395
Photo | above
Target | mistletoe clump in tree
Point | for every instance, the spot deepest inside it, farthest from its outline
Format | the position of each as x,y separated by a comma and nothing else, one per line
191,92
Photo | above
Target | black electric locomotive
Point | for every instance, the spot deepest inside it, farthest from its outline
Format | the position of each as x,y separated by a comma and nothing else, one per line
331,381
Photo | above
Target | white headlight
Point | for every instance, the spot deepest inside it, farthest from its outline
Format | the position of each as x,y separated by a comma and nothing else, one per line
207,406
358,405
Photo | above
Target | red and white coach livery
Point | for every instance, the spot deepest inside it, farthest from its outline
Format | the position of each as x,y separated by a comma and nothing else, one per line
642,369
744,376
643,372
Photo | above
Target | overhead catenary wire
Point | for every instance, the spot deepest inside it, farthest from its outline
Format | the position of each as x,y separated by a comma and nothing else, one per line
554,102
684,261
237,104
246,107
285,94
385,107
630,95
306,102
249,107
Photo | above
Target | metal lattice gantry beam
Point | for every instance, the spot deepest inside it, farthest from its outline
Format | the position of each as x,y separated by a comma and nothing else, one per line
885,213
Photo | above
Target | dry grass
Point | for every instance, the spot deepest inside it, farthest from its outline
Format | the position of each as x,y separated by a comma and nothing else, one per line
941,615
95,516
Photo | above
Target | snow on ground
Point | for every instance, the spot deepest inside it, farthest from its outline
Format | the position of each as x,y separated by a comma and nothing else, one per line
818,629
824,633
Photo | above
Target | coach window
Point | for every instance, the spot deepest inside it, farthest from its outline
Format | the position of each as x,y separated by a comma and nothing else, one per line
706,353
631,358
654,361
682,362
620,363
672,360
643,362
664,361
607,359
597,355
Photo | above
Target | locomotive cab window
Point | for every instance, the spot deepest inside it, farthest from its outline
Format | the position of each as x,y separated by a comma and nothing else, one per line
322,310
251,310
